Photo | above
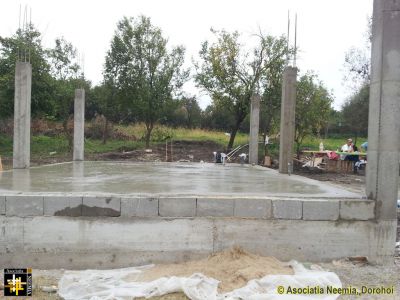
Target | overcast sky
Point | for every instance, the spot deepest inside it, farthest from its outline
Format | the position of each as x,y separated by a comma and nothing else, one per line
326,28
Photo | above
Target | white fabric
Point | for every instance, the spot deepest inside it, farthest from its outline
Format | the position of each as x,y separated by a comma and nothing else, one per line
345,148
113,284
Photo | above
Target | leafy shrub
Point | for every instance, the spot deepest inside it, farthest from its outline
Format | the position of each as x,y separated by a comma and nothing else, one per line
162,133
96,128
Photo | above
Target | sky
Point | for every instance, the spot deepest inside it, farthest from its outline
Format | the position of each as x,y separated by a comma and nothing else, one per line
326,29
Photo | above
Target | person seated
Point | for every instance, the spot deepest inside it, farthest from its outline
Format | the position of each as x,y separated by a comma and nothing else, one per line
354,158
348,147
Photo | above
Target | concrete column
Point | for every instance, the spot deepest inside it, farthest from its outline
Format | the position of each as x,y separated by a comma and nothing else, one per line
79,125
22,116
254,126
384,110
287,120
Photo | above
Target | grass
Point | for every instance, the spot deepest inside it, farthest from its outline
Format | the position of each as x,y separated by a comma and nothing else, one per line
6,145
312,143
42,146
161,132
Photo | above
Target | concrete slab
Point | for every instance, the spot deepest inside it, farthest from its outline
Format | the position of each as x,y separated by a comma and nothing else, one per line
163,179
161,212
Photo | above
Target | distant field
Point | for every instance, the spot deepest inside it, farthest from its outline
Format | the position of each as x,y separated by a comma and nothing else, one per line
329,144
161,132
42,146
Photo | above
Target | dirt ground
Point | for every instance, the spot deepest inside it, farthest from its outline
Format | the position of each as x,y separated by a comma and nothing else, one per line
233,268
353,182
351,274
190,151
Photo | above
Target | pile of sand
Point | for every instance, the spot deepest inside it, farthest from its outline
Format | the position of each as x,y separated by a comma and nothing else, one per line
233,268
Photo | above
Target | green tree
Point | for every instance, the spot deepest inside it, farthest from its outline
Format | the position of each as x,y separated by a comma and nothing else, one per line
355,112
272,95
313,107
26,43
147,74
357,67
231,74
216,117
105,101
193,112
66,78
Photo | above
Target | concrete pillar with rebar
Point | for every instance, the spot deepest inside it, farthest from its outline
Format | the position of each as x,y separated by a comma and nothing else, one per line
384,118
287,128
22,115
79,125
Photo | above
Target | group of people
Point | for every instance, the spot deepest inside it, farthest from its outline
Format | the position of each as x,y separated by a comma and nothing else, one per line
350,147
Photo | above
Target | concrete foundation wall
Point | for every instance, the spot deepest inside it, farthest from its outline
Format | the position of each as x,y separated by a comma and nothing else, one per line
116,232
66,242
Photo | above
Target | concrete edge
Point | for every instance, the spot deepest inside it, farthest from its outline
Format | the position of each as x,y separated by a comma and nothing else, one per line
181,207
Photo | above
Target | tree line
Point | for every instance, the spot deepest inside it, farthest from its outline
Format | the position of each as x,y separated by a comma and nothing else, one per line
143,77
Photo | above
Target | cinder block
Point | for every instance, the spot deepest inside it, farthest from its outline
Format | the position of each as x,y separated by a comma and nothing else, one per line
23,206
357,210
139,207
253,208
2,205
321,210
101,206
177,207
215,207
63,206
287,209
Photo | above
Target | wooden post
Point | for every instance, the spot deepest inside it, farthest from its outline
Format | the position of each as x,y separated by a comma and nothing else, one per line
166,150
172,157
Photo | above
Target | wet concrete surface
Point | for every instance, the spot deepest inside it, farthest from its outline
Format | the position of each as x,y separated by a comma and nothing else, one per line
94,177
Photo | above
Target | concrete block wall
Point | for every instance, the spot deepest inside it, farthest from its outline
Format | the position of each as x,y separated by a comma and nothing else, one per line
183,207
61,231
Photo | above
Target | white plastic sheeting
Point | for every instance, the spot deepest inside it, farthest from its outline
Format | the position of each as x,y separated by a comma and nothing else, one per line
113,284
